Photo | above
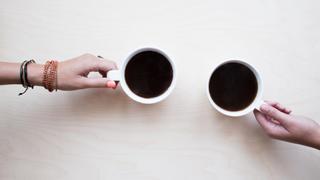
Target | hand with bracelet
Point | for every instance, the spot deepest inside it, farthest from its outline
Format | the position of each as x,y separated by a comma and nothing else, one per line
67,75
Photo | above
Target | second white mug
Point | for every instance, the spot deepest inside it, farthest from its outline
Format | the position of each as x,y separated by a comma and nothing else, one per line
256,101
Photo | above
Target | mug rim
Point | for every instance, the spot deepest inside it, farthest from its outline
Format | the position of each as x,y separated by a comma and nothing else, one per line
134,96
254,104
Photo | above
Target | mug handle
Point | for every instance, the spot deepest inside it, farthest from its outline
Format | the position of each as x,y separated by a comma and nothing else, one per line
114,75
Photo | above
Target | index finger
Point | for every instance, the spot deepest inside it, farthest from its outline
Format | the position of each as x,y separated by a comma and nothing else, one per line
279,106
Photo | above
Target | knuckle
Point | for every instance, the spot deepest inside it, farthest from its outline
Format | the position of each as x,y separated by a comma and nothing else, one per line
110,64
113,65
96,65
272,111
87,56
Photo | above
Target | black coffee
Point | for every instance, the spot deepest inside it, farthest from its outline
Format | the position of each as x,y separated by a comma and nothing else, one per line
233,86
148,74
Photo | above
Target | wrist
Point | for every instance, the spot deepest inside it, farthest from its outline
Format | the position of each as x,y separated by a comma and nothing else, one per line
35,74
315,138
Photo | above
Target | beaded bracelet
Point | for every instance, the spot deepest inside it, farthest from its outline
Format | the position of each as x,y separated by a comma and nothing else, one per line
50,80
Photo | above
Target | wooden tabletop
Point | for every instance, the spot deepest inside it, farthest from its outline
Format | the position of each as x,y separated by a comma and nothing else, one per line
103,134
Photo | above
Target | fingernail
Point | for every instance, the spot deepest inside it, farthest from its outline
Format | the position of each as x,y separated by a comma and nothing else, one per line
116,84
111,84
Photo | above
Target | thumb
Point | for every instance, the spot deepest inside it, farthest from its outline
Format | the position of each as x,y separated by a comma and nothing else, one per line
274,113
98,83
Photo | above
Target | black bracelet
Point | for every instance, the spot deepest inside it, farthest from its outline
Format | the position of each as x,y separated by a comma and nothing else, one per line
26,73
24,76
21,72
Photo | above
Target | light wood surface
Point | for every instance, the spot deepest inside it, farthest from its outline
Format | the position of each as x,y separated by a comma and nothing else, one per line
102,134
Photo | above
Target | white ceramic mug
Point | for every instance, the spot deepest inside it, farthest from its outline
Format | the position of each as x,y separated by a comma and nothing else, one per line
255,104
119,75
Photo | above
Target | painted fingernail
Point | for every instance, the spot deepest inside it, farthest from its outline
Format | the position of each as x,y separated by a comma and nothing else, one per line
116,84
111,84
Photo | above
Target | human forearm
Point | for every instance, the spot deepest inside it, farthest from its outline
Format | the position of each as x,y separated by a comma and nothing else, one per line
10,73
71,74
316,139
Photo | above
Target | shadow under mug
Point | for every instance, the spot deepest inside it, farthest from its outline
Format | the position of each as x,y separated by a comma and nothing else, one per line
255,104
119,75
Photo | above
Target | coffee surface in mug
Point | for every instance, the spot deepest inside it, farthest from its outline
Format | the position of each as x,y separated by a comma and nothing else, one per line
148,74
233,86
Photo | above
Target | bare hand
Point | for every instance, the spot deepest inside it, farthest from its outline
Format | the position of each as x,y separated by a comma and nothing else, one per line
278,123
